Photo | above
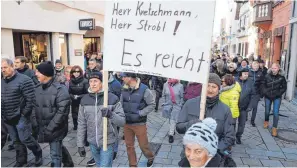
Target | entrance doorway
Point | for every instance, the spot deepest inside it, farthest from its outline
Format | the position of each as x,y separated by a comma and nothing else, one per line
34,46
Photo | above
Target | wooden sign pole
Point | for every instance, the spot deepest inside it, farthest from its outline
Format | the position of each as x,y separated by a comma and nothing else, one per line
105,104
204,95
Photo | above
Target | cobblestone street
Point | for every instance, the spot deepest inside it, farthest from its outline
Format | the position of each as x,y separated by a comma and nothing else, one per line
258,147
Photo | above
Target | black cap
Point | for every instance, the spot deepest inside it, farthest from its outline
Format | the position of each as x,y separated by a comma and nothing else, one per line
46,68
97,75
58,61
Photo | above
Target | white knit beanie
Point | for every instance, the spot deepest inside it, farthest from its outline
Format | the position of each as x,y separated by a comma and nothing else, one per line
203,133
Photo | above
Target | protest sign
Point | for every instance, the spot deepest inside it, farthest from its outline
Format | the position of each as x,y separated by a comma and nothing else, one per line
162,38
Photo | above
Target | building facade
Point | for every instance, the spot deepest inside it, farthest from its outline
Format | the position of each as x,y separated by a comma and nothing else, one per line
272,20
291,62
50,30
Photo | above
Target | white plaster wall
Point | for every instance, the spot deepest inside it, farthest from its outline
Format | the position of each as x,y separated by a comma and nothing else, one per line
7,49
76,42
45,16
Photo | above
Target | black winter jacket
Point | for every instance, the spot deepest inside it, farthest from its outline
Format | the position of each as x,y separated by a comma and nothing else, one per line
17,98
29,72
52,109
275,85
257,78
214,162
79,87
89,71
246,92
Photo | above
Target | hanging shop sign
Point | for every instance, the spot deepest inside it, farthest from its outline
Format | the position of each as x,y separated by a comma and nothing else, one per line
87,24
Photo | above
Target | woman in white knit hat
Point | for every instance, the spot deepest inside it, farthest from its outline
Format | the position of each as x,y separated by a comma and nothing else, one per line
201,144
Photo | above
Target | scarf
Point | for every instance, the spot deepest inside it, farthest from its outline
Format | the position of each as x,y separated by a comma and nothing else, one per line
171,83
211,101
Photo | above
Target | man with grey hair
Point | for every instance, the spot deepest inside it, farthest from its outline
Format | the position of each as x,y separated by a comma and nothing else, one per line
17,99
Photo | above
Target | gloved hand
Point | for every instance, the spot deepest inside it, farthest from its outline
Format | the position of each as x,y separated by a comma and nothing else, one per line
82,151
224,153
107,112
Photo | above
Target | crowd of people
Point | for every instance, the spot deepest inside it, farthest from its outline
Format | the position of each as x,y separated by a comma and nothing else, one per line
35,107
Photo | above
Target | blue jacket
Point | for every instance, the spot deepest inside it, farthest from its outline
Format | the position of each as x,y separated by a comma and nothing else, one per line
114,86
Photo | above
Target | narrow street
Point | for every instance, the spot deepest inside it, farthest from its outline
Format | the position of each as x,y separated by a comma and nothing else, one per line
259,148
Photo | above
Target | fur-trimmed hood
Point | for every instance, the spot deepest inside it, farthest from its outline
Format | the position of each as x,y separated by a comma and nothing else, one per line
280,72
137,84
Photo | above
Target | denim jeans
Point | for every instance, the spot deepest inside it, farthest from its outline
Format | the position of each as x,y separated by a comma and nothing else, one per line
21,137
59,154
276,106
241,123
254,105
102,158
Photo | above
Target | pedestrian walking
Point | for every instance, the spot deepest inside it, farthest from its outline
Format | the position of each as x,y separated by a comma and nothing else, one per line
192,90
230,94
90,122
78,87
138,101
17,99
275,85
244,100
173,96
219,68
214,109
22,68
91,68
232,69
257,77
60,72
114,86
52,110
67,74
201,144
157,85
263,69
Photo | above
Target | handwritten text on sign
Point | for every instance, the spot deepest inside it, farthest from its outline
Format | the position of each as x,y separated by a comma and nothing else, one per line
170,39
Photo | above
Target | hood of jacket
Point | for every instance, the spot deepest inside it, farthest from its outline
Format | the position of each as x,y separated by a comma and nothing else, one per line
235,86
138,82
111,78
281,72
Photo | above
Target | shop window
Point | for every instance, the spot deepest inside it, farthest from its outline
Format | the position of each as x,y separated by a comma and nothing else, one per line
92,45
63,49
34,48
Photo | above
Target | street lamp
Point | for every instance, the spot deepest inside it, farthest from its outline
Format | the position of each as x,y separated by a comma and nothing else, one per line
19,1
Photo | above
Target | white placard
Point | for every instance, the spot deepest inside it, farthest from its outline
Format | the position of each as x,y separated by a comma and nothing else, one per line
162,38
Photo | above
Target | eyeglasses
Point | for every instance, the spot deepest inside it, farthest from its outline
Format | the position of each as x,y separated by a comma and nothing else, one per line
76,71
223,81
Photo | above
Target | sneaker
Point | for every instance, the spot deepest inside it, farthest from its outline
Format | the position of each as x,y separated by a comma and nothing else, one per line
150,163
114,155
238,140
38,160
266,124
274,132
91,162
171,139
10,147
17,164
253,124
75,127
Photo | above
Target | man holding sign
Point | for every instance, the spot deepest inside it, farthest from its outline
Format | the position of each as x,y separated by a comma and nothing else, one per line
169,39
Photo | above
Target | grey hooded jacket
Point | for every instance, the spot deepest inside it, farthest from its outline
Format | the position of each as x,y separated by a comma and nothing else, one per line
90,120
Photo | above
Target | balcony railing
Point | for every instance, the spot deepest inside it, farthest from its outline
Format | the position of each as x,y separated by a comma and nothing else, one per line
263,12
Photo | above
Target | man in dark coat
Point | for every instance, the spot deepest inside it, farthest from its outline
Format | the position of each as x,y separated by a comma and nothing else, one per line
262,67
245,97
256,76
17,98
21,66
91,68
52,109
275,85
